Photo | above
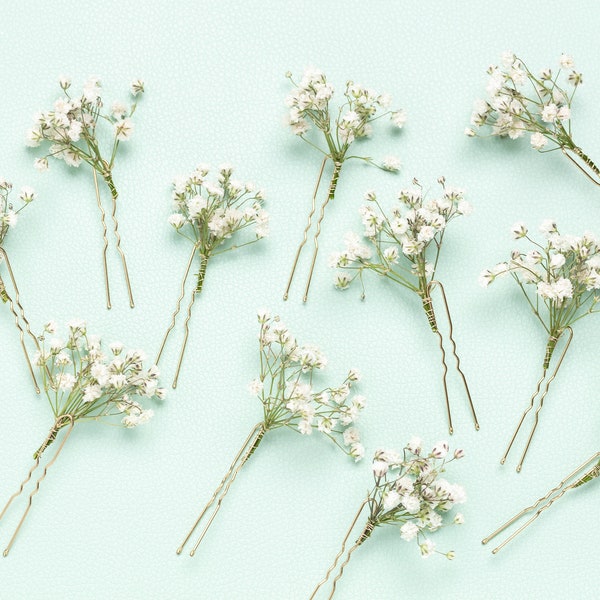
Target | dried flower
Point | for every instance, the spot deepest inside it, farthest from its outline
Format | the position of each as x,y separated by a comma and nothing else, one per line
410,494
310,105
287,392
404,247
210,214
521,102
560,279
73,128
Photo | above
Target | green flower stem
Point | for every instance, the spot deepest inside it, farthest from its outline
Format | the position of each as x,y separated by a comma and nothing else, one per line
551,346
201,273
593,473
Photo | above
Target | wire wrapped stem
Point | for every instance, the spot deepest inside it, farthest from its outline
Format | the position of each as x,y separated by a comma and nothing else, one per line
592,172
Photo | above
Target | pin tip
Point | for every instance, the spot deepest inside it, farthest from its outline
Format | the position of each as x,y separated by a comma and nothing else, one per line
485,541
476,426
305,299
192,552
132,304
451,430
502,461
174,385
285,296
179,550
108,305
518,469
495,550
5,553
37,390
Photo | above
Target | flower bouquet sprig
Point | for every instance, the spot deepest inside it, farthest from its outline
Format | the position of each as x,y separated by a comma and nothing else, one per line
82,383
8,220
310,104
404,247
584,473
560,280
73,128
520,101
290,398
210,214
409,493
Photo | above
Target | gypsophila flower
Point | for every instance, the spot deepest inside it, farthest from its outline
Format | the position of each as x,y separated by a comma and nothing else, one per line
8,213
522,102
409,493
311,106
212,213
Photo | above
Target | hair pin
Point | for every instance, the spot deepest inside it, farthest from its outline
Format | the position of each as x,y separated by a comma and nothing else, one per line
8,220
209,214
309,104
560,281
549,499
404,248
82,384
542,110
71,129
285,389
409,493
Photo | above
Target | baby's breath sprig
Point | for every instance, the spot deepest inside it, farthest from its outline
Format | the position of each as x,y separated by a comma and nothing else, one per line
583,474
210,214
560,280
310,104
409,493
521,102
74,127
286,389
82,383
404,248
8,220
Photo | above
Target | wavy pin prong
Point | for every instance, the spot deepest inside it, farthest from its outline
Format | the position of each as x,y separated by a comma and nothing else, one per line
244,453
18,316
536,393
594,175
550,498
359,541
428,305
62,421
105,238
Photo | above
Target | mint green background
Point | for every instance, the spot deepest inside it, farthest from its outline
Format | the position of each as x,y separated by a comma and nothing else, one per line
114,508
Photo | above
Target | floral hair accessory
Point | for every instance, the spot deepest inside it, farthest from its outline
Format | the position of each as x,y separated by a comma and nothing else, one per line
560,280
289,398
8,220
82,383
210,213
310,104
581,475
404,247
74,127
409,493
521,102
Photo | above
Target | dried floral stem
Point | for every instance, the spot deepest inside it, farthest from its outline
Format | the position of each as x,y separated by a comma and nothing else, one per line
62,421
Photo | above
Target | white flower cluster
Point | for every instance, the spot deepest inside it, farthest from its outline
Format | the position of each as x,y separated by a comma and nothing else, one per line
309,103
521,102
414,226
8,214
71,125
410,493
285,388
213,211
82,381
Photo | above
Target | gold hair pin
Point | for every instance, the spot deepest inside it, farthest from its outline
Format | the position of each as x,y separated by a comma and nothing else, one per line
209,214
404,248
309,104
581,475
82,384
560,280
8,220
409,493
285,389
521,102
71,127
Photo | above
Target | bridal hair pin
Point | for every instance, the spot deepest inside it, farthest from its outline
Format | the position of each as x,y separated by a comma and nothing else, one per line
74,127
560,280
209,214
83,384
581,475
409,493
404,248
520,102
309,104
285,389
8,220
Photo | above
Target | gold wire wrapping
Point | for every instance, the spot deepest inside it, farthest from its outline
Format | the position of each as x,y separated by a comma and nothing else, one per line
62,421
594,176
550,498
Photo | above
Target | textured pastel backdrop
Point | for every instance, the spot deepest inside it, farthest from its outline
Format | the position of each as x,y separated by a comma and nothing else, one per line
113,509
